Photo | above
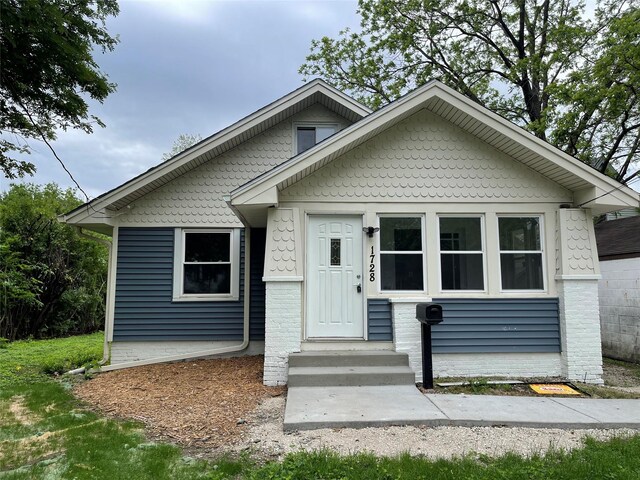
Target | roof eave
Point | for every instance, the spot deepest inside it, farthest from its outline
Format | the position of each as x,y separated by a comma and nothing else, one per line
226,135
413,101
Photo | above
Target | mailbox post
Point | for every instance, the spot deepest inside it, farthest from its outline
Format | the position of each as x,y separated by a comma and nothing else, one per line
428,314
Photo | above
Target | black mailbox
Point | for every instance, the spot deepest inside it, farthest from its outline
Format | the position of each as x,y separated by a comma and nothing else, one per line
429,313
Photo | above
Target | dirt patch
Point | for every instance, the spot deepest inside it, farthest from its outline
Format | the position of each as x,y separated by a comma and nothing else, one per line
621,374
21,413
202,402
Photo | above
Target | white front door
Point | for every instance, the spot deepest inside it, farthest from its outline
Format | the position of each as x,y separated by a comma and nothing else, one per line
334,277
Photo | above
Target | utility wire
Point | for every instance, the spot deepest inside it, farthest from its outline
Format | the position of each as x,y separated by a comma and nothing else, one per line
44,139
613,190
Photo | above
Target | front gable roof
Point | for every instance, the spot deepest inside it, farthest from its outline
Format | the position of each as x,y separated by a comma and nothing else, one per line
97,211
585,182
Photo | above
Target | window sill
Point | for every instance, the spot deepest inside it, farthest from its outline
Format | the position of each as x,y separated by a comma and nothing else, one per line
206,298
409,299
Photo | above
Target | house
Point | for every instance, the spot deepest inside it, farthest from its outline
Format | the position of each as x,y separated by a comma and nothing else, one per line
315,223
619,287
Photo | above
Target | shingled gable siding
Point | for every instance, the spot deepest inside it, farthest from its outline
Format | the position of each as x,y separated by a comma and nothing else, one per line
379,315
475,325
144,310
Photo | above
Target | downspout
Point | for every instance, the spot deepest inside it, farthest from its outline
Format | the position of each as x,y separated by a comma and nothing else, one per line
210,352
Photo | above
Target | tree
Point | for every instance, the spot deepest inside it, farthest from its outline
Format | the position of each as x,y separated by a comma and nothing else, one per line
52,280
567,77
184,141
48,72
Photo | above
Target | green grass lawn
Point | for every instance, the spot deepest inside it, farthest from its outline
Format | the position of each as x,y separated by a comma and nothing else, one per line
45,433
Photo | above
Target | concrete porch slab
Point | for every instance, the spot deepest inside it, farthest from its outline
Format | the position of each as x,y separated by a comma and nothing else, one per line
358,407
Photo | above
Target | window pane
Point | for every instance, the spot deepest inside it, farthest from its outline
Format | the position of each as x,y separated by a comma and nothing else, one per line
460,234
207,247
207,278
324,132
335,252
462,271
306,138
400,234
521,271
519,233
401,272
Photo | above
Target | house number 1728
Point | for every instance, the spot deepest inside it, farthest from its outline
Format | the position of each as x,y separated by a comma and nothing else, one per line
372,266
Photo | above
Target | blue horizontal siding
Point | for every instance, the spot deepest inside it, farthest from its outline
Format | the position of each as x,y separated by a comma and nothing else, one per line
257,293
144,310
379,316
530,325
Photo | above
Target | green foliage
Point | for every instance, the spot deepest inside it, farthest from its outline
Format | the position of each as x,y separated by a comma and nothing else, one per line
48,72
28,361
184,141
546,65
613,460
53,280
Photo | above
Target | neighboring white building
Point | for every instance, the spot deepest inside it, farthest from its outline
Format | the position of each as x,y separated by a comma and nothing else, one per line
619,288
317,224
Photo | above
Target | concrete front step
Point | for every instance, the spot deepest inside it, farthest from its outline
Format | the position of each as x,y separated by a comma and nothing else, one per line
350,376
340,358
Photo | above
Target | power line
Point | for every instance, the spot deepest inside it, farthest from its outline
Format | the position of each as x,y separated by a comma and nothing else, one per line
613,190
44,139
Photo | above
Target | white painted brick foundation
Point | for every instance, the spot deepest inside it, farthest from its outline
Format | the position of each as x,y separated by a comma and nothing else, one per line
580,330
123,352
407,336
619,293
283,329
497,365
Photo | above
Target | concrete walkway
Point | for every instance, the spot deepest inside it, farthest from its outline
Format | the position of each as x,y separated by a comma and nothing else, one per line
358,407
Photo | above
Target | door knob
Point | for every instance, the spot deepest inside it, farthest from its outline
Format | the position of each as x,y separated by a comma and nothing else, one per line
358,287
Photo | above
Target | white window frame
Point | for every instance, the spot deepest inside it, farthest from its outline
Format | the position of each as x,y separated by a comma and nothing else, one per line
422,252
296,125
483,243
543,260
178,266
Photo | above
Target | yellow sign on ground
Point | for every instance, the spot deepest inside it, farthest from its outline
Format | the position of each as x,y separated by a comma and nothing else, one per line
553,389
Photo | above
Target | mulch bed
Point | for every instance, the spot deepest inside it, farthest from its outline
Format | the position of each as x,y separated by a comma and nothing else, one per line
204,402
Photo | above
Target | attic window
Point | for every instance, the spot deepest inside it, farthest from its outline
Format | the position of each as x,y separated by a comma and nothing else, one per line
308,135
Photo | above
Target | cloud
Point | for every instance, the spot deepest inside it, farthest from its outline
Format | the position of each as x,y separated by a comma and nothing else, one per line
187,67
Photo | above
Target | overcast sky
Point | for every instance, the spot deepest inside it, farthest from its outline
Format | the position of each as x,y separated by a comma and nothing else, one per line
187,66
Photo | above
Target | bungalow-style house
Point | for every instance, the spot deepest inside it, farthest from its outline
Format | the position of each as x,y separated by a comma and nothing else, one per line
317,224
619,288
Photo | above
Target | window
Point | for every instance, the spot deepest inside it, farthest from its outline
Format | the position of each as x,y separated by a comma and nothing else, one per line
461,253
308,136
206,264
335,252
401,263
521,253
